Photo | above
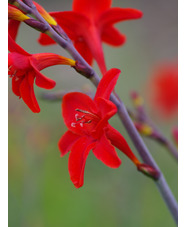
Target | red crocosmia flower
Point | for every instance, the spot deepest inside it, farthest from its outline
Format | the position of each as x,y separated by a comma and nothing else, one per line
163,90
24,68
88,128
90,23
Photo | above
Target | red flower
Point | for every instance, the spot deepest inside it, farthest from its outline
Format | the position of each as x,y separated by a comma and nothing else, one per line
164,90
24,68
90,23
88,128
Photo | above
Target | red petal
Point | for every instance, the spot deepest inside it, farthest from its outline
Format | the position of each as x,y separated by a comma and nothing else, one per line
73,23
93,40
85,52
18,61
66,142
108,109
14,47
43,81
45,40
91,7
77,160
105,152
73,101
118,141
27,92
114,15
107,84
16,82
13,26
112,36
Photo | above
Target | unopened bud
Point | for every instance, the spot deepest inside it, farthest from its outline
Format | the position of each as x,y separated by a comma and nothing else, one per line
149,171
28,2
83,70
37,25
16,14
45,14
137,99
143,128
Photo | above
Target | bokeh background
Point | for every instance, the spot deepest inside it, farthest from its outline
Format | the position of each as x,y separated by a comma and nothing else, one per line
40,191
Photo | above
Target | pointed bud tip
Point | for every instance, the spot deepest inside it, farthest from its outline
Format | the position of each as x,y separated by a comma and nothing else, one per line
149,171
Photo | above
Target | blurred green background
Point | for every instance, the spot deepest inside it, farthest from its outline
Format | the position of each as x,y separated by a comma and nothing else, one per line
40,191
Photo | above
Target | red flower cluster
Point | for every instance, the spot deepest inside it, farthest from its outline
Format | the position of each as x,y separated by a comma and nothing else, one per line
163,90
91,23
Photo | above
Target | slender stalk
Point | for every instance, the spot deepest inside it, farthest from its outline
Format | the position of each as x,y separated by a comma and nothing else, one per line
143,151
170,146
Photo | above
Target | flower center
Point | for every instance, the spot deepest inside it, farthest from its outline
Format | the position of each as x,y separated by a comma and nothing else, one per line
84,117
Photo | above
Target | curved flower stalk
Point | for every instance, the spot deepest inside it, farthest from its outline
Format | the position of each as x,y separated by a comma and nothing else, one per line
163,90
24,68
89,24
88,128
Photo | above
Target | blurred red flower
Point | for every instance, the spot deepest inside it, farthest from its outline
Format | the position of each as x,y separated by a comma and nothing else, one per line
163,90
91,23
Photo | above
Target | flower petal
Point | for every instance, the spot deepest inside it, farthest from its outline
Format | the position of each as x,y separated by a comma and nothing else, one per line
119,141
45,40
73,23
18,61
91,7
16,82
43,81
27,93
84,50
108,109
66,142
73,101
13,27
105,152
93,40
44,60
107,84
14,47
77,160
112,36
115,15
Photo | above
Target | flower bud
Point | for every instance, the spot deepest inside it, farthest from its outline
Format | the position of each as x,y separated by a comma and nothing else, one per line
45,14
149,171
16,14
144,128
137,99
37,25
